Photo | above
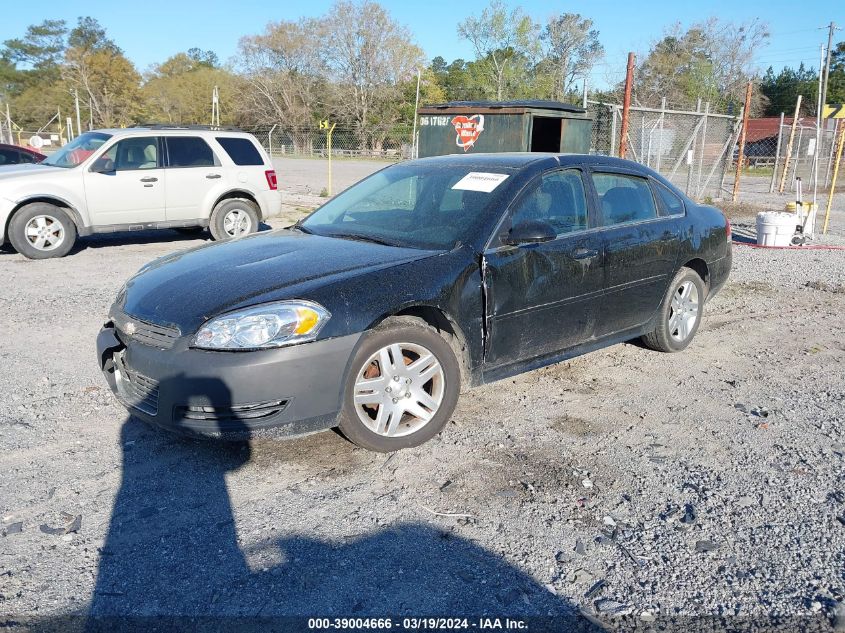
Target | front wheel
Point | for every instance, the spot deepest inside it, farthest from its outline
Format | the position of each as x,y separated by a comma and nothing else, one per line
233,218
402,387
41,230
680,313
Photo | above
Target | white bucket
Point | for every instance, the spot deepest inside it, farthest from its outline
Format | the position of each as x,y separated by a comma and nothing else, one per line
775,228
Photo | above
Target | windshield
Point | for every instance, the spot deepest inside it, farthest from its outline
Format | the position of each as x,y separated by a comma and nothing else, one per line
77,150
412,205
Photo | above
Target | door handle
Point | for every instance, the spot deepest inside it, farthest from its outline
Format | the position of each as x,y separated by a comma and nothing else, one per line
584,253
212,176
149,179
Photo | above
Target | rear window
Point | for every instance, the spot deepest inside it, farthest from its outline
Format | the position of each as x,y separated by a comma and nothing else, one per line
189,151
242,151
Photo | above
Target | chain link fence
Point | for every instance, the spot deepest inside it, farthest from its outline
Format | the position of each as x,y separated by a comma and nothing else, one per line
388,144
694,150
772,165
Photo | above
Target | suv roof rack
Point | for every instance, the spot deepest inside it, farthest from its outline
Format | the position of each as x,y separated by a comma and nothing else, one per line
173,126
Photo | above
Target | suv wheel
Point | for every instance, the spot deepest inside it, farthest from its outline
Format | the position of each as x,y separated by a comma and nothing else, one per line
233,218
680,313
41,230
402,386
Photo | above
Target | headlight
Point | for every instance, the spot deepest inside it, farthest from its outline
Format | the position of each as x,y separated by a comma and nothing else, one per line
268,325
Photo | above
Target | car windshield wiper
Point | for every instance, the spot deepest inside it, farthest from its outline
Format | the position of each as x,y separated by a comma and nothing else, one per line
360,237
299,227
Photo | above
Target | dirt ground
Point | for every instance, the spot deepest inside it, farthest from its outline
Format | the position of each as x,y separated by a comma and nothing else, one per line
625,483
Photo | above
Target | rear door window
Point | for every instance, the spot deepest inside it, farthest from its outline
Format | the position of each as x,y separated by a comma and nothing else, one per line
624,198
189,151
242,151
9,156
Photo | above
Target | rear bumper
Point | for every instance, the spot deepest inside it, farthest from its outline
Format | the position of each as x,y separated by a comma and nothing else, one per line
270,203
281,392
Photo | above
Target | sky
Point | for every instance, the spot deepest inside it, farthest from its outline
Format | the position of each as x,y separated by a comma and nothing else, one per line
152,30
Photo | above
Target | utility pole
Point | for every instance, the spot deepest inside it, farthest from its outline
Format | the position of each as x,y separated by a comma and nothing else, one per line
626,106
741,156
416,116
831,29
78,120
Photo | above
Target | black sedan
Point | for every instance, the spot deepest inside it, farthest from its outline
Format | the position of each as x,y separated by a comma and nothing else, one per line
428,277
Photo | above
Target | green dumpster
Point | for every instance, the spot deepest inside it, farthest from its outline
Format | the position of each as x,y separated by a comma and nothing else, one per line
503,126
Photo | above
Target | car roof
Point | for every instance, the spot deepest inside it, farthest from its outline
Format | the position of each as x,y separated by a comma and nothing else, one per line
517,160
162,130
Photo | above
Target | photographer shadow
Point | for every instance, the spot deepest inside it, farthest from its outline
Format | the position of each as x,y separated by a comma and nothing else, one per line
172,559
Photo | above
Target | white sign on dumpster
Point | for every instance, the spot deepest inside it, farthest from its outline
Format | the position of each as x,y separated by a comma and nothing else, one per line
811,147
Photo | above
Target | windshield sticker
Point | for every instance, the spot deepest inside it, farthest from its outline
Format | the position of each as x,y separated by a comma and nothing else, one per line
480,181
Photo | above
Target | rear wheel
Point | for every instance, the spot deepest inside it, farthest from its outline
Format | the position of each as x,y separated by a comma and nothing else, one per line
233,218
680,313
402,387
41,230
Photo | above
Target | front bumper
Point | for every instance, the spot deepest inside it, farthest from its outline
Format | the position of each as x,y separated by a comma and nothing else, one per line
281,392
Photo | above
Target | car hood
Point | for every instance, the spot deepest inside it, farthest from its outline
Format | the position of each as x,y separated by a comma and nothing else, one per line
185,289
8,172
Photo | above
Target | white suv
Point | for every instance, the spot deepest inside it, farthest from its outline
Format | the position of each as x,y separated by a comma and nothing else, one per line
152,177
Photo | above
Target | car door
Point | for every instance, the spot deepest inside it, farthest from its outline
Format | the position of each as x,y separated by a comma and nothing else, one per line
543,297
192,170
125,184
640,249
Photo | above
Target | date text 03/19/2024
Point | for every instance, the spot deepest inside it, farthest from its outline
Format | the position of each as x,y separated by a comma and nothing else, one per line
416,624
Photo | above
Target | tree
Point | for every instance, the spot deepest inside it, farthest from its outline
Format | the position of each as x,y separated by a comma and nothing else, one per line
283,77
40,49
836,79
179,89
368,56
501,40
99,72
712,60
571,49
782,90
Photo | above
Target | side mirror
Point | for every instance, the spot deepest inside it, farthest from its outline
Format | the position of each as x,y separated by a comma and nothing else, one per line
103,165
531,232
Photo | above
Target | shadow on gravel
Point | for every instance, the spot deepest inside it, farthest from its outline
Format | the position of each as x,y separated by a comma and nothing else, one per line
172,559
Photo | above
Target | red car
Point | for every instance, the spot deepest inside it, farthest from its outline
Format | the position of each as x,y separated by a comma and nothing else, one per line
14,155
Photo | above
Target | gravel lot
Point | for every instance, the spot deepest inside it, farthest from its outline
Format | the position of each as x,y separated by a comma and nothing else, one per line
707,483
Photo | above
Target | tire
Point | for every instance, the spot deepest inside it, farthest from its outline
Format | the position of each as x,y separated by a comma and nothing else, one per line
42,230
685,297
233,218
423,413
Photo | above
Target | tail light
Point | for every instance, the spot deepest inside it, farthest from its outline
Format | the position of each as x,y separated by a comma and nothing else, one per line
271,179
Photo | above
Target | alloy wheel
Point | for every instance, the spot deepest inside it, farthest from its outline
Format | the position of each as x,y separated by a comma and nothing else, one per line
683,312
237,222
45,232
399,389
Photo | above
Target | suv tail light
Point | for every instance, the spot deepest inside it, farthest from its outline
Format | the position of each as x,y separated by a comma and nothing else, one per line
271,179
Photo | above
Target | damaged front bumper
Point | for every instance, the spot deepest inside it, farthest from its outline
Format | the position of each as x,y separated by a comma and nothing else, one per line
281,392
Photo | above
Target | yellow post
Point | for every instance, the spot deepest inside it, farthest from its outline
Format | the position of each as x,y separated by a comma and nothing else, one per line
833,181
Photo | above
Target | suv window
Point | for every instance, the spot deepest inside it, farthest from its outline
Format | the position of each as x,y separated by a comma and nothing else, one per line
624,198
557,198
189,151
242,151
672,203
133,153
